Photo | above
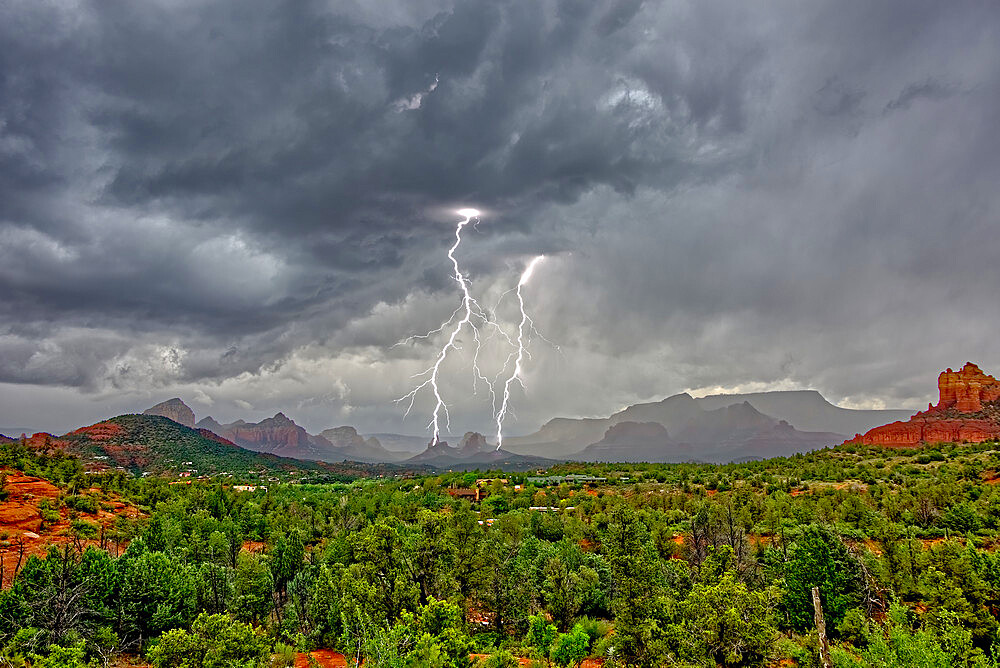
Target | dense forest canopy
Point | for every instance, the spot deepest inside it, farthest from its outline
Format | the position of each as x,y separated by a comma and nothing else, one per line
646,565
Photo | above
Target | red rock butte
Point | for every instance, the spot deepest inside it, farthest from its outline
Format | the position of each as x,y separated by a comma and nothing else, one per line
966,390
967,411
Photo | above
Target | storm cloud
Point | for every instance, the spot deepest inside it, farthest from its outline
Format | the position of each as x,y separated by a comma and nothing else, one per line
247,204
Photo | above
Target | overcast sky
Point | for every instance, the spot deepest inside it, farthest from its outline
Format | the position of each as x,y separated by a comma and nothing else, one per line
246,204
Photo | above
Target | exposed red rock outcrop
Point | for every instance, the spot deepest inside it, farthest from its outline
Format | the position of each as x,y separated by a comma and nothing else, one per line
174,409
968,410
25,532
967,389
102,431
277,434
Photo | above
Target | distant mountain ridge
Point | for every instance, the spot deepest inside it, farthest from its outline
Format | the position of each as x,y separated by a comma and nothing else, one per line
401,443
474,452
705,429
732,433
279,435
712,428
808,410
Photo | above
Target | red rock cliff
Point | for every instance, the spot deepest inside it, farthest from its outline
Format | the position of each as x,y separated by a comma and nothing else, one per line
967,389
965,412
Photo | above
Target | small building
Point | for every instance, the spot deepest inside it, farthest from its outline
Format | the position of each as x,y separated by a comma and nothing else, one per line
474,494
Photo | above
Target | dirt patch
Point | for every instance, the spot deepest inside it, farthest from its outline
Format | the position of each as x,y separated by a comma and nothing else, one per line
760,540
873,547
254,546
325,658
479,659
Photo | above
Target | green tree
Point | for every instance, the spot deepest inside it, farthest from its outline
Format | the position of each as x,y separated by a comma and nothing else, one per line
541,633
72,656
637,594
570,649
897,645
567,583
254,587
501,659
724,623
158,593
215,641
819,558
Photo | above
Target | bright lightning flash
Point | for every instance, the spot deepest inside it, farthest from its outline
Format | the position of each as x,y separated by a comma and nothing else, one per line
471,314
525,325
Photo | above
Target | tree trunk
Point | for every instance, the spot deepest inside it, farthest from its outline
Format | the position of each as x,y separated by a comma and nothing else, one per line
824,647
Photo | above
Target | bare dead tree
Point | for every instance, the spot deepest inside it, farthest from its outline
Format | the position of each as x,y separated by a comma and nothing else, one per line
60,606
20,554
824,646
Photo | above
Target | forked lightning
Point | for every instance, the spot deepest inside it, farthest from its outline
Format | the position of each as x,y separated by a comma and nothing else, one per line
522,328
470,314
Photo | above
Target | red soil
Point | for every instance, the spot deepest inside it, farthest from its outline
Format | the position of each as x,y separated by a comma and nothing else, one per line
479,659
325,658
102,431
254,546
21,526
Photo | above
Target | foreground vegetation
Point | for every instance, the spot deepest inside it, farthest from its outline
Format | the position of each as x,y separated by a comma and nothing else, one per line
684,564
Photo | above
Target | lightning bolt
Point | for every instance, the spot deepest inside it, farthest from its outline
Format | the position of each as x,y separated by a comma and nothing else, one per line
472,315
526,325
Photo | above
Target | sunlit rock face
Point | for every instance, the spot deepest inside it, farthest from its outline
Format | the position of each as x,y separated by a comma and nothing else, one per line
967,390
968,410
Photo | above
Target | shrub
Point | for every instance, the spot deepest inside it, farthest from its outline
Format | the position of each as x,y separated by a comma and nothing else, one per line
570,648
84,504
501,659
215,641
594,628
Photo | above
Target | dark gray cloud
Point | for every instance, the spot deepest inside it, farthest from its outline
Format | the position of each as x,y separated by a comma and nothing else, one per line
251,202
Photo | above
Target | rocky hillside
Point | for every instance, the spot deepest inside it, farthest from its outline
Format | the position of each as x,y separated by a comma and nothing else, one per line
968,410
36,515
155,444
278,435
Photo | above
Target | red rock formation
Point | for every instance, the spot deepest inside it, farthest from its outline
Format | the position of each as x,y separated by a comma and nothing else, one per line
967,389
271,435
102,431
174,409
965,412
